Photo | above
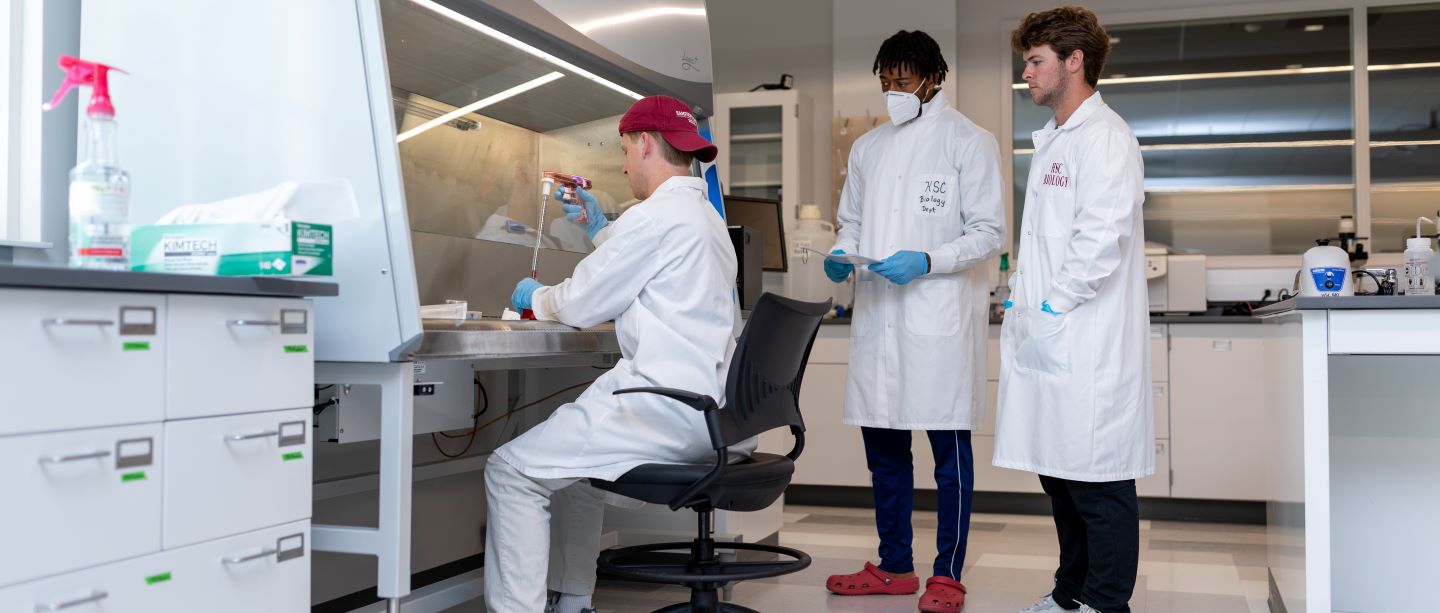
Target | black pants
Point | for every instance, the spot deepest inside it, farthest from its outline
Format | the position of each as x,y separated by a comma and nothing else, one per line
1099,529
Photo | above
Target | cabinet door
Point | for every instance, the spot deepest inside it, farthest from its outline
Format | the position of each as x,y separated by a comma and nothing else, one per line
834,452
991,478
1218,426
78,499
233,355
80,359
1157,485
227,475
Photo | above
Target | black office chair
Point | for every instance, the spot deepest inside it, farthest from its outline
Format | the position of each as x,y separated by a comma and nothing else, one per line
761,393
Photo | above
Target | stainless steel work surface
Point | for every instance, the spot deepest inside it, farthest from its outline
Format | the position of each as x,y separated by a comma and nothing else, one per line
493,338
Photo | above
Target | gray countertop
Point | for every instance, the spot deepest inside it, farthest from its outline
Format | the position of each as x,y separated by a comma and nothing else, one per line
493,338
1349,303
120,281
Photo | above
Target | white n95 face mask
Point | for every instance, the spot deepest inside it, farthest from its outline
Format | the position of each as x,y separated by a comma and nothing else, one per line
903,106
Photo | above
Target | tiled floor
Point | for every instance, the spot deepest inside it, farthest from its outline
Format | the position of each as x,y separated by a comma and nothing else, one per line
1184,567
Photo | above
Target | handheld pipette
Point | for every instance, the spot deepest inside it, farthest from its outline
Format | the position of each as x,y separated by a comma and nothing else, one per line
547,184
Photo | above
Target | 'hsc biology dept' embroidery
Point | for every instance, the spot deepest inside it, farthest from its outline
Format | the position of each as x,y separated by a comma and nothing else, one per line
1057,176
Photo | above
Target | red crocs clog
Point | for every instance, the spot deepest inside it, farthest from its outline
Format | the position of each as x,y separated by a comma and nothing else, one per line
942,595
872,580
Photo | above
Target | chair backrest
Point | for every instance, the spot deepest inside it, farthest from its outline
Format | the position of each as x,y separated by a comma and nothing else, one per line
762,391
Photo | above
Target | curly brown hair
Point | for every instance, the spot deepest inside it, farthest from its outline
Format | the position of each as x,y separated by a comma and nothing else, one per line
1066,29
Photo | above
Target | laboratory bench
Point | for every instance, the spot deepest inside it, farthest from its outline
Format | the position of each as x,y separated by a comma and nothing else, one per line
155,471
1193,417
1352,488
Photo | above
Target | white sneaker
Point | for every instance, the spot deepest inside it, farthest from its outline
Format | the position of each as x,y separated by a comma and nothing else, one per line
1085,608
1046,605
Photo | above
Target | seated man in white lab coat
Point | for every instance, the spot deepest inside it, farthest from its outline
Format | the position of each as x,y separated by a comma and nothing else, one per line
1075,404
665,272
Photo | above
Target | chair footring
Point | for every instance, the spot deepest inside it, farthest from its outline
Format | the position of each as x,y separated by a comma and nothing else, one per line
702,575
723,607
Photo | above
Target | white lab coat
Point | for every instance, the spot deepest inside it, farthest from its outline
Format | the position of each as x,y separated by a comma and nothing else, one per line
665,272
1075,389
917,351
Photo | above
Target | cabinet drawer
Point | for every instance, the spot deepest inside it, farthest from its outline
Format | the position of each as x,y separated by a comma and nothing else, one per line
73,360
146,584
235,355
78,499
228,475
265,570
1158,484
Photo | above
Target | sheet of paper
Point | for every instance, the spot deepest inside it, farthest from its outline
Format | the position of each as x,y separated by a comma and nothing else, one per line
843,258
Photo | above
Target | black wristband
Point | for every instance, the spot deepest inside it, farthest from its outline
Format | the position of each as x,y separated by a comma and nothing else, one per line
927,263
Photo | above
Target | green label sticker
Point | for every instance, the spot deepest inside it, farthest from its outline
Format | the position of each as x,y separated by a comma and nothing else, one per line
294,455
136,346
160,578
297,349
138,475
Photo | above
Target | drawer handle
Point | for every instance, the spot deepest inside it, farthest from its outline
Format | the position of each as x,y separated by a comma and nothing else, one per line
95,596
63,321
61,459
265,553
269,323
253,435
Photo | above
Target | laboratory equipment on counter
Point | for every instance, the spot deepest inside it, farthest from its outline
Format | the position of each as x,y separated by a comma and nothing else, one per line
806,279
1325,271
568,184
99,188
1176,281
1351,243
748,254
547,183
1418,281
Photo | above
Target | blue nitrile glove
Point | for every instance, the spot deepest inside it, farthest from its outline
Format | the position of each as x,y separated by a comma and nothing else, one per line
595,215
903,267
838,271
1009,305
1045,306
523,290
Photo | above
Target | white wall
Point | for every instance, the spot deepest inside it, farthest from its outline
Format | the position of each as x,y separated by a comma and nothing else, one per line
755,41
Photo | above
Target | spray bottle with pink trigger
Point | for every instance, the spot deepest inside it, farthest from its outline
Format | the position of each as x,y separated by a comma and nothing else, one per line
99,188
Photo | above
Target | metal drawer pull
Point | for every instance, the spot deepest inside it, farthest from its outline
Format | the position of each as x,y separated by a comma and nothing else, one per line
63,321
61,459
95,596
252,557
253,435
271,323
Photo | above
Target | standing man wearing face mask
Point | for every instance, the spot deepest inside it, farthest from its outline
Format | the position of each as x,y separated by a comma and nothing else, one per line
924,192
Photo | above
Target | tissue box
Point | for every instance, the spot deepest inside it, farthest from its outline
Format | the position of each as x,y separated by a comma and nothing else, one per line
234,249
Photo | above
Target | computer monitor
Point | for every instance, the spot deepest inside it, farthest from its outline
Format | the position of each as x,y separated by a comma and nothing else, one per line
763,218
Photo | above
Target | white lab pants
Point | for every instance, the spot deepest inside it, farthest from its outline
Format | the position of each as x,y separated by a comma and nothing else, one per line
520,533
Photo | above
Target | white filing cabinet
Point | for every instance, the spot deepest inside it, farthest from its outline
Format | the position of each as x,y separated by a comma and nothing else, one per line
1218,412
158,451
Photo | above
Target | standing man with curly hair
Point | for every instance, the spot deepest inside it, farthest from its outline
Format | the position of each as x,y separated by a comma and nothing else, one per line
1074,399
923,192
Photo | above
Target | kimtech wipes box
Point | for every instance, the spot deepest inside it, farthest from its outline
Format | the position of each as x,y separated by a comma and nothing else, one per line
234,249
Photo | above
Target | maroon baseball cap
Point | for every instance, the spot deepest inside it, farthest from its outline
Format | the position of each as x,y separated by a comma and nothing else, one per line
673,120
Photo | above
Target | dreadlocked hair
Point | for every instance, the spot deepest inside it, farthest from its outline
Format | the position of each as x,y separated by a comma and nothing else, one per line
913,51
